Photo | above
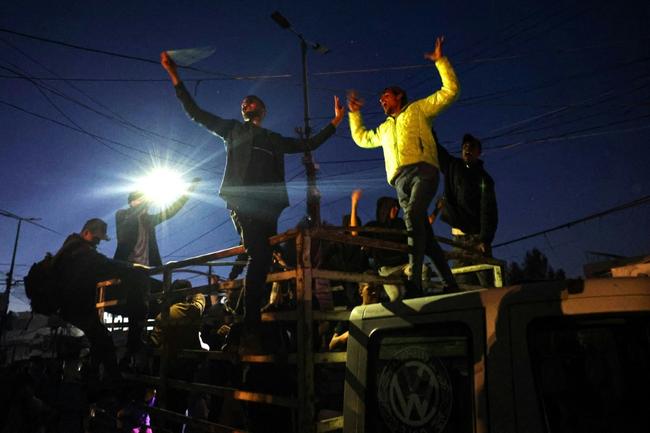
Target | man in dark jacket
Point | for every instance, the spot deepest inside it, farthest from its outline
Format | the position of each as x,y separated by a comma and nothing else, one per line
253,184
136,228
80,267
469,205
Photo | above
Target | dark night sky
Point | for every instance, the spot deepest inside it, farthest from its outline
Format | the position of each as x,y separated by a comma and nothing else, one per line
558,91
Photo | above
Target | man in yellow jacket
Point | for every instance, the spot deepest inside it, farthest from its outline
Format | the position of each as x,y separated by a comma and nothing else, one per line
411,160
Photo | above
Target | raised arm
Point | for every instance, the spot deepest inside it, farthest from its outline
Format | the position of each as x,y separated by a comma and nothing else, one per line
170,66
450,89
361,136
215,124
296,145
175,207
354,205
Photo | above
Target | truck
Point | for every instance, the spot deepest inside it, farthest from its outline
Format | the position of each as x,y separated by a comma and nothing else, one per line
544,357
565,356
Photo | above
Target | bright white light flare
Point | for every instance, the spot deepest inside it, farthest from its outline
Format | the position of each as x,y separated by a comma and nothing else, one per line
162,186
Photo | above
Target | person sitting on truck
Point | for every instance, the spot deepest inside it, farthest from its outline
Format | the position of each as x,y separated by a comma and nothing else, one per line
182,327
343,257
181,330
369,295
389,262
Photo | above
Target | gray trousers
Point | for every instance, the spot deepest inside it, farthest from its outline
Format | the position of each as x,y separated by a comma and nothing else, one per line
416,185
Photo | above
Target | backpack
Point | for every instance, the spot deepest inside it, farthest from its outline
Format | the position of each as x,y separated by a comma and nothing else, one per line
42,286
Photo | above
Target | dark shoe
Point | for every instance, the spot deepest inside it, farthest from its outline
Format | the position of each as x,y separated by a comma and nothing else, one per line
270,308
411,290
451,289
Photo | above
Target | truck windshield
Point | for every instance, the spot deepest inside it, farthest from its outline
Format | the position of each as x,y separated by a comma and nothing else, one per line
592,374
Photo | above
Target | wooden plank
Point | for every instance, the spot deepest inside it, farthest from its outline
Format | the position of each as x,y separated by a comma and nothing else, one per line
107,283
284,237
197,260
164,359
363,229
304,325
472,268
329,424
355,277
227,286
477,258
337,316
200,424
111,303
287,358
223,391
359,240
284,316
345,237
330,357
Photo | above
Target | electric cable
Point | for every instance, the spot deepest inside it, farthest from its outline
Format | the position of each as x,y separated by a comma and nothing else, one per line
137,58
637,202
116,116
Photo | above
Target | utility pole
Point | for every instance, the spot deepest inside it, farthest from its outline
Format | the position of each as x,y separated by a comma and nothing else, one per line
10,275
313,195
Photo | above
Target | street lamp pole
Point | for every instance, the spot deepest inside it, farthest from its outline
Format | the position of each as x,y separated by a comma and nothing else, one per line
313,195
10,275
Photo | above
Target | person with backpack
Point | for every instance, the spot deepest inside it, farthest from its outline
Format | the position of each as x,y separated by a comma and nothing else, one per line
79,267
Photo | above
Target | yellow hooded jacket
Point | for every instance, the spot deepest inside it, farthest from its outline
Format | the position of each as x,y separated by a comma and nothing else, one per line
407,138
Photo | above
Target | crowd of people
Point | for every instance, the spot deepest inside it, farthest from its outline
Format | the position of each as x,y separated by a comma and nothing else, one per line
254,190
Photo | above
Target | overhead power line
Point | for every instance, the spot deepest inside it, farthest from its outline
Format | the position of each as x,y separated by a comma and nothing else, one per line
113,114
42,88
633,203
199,237
225,76
13,215
101,139
137,58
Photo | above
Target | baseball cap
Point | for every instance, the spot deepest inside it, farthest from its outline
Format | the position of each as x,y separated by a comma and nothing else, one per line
97,227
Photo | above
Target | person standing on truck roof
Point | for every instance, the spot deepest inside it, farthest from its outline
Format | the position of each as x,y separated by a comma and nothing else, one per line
253,184
469,204
369,294
136,228
411,161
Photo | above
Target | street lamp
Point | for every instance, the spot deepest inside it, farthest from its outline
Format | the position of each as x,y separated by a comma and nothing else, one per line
313,196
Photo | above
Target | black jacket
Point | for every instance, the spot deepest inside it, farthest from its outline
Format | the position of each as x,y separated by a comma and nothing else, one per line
80,267
470,200
126,225
238,138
